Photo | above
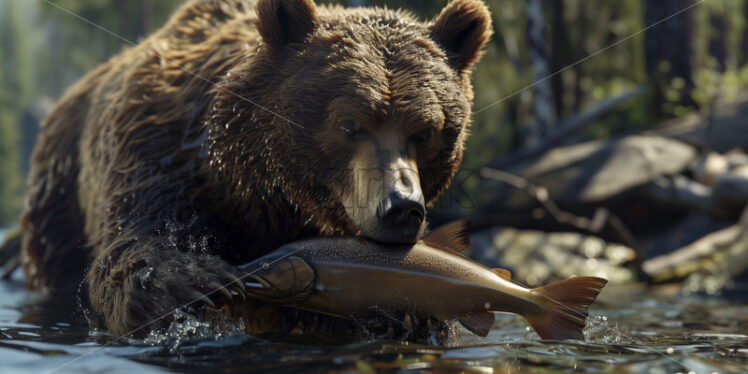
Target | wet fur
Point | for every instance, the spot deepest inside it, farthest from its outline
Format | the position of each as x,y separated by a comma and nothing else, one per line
149,182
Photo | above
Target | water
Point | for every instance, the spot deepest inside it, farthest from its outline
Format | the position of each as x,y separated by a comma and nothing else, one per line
631,331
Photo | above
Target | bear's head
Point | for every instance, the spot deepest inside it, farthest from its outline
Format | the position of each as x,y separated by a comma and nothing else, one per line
357,117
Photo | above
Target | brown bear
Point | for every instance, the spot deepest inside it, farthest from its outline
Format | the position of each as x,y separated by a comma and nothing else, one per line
237,127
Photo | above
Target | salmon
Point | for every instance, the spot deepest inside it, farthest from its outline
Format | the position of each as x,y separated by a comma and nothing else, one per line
350,277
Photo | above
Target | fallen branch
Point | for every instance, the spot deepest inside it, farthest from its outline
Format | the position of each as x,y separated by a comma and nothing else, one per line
566,127
601,219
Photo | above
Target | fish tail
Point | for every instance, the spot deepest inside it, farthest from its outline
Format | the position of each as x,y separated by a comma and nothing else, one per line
566,303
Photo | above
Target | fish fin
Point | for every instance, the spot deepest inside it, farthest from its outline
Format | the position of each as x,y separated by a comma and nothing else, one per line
503,273
478,323
566,305
452,237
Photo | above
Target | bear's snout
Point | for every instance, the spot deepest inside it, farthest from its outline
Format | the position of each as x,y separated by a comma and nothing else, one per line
402,216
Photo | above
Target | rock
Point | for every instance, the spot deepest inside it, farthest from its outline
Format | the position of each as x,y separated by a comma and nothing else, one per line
536,258
595,171
710,265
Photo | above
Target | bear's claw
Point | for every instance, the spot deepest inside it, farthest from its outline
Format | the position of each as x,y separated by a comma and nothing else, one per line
224,293
220,288
197,295
239,293
235,281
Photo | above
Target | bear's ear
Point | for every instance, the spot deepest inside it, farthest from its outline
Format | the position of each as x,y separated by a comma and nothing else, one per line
462,29
286,21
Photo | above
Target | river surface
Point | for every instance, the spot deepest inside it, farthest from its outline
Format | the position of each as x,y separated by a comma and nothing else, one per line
631,330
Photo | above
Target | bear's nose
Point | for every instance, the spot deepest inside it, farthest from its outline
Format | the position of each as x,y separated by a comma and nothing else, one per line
402,217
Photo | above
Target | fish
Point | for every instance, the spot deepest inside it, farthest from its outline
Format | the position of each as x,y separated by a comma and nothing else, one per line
350,277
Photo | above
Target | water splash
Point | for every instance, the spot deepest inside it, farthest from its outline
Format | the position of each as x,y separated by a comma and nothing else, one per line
187,328
599,330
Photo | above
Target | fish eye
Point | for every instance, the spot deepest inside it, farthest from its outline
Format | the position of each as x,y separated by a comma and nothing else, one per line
351,128
424,135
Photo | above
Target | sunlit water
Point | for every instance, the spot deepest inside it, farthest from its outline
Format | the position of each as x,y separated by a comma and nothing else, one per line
639,333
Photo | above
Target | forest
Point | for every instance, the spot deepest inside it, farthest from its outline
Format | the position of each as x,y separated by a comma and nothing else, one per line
525,87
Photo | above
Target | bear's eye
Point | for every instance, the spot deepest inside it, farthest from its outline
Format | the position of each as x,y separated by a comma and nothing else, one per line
424,135
351,128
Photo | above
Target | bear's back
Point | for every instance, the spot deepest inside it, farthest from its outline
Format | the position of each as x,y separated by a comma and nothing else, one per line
126,125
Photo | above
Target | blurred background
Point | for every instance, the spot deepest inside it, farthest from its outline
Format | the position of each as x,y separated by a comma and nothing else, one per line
599,145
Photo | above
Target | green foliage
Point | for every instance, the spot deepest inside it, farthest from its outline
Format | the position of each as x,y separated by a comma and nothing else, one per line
15,91
114,25
15,59
10,176
715,79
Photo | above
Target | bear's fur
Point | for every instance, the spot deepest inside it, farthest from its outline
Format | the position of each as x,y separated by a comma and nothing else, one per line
217,139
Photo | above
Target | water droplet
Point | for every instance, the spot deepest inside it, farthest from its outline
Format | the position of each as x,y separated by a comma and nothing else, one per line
265,266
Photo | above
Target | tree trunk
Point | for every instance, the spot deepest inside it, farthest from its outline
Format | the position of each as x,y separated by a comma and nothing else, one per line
580,54
146,18
669,42
558,45
545,115
717,46
744,50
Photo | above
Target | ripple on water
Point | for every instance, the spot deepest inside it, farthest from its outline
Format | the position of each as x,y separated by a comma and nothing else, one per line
626,334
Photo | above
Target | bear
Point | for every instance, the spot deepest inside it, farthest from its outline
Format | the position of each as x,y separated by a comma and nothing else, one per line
237,127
